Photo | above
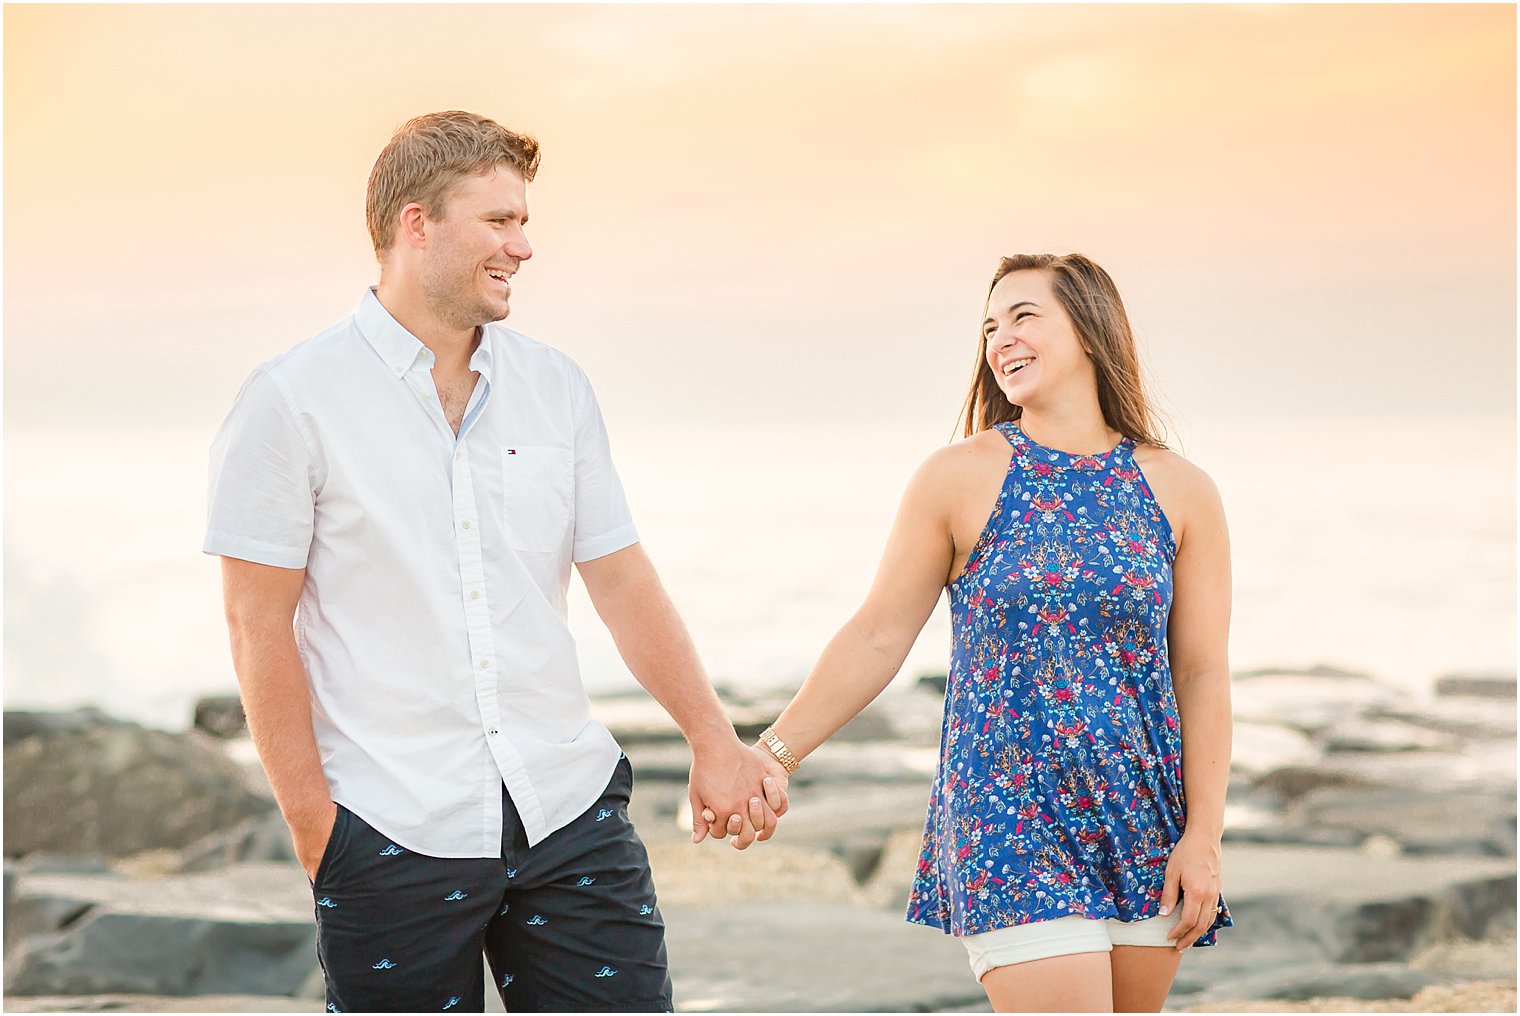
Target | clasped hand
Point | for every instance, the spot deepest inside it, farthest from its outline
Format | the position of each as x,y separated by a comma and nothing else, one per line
736,791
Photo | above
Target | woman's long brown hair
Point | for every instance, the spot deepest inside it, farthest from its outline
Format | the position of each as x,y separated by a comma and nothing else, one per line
1092,302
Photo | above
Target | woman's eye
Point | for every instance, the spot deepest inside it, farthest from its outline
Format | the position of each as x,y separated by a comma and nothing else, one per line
1022,315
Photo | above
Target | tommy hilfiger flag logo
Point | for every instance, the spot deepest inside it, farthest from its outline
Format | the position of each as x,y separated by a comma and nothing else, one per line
511,451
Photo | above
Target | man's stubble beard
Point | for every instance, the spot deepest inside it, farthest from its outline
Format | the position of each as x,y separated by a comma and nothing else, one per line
444,301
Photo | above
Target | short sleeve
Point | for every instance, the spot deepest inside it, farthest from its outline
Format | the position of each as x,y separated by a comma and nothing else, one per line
603,523
261,501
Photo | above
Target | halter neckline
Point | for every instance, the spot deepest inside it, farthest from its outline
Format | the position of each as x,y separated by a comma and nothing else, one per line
1013,431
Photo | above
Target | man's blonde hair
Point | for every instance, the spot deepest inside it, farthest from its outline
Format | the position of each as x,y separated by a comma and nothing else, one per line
429,154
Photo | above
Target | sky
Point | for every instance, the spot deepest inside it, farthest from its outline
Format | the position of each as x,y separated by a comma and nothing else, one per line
767,232
779,212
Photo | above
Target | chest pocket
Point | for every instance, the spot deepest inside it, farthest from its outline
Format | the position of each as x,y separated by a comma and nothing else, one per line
539,484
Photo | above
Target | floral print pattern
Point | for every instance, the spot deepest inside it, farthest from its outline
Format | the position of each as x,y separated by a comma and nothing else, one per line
1059,789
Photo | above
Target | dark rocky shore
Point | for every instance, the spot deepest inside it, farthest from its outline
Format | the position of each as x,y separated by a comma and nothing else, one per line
1369,862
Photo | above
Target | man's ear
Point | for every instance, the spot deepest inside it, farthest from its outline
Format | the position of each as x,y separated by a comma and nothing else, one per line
413,225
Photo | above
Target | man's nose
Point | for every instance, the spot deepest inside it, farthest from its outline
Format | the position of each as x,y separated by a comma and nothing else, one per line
518,247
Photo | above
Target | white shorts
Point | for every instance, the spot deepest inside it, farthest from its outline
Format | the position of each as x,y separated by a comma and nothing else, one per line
1059,936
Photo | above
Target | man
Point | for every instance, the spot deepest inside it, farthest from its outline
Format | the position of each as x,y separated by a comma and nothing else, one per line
397,503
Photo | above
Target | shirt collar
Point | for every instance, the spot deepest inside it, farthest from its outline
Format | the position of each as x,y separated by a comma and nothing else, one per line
399,348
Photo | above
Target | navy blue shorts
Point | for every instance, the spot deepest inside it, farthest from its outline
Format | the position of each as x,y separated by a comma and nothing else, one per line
569,926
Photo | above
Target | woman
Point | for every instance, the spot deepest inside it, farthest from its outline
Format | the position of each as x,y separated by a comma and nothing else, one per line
1073,835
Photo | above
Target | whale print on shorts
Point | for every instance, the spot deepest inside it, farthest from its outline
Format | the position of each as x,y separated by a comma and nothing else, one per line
605,972
326,901
602,814
646,910
384,964
508,979
586,880
536,919
452,1002
455,895
391,851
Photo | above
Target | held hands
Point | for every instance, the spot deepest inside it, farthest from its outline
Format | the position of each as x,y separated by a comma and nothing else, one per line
1193,869
736,791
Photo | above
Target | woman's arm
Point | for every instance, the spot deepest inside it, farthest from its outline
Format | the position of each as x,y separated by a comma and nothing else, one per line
867,652
1198,647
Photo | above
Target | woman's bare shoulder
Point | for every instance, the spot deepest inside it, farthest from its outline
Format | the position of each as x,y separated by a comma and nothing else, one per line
1165,465
1186,493
948,472
967,457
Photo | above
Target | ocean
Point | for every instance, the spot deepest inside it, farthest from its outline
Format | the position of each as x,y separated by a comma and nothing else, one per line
1383,546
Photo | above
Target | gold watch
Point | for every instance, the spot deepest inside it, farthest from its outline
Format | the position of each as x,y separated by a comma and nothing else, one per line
778,748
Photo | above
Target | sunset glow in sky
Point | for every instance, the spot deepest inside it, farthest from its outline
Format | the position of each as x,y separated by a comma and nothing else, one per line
766,232
780,211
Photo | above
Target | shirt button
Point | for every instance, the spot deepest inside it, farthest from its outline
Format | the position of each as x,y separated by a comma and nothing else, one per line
459,456
474,594
465,524
493,733
485,664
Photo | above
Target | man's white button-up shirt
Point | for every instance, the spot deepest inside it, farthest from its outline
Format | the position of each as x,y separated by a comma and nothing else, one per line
432,620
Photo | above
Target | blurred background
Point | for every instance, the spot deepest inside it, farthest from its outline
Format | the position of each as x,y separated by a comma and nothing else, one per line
766,232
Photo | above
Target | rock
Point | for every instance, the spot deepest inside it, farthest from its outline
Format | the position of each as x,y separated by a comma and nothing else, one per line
1368,980
861,856
1378,845
260,838
20,724
80,784
41,913
1387,735
715,873
148,863
221,716
836,766
1492,686
1484,767
823,957
916,713
1318,670
1307,702
1349,908
1460,717
1481,907
639,719
1477,996
892,880
1293,835
157,1003
248,929
1424,822
636,719
1289,783
1261,747
65,864
839,817
935,683
870,725
1483,959
5,912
